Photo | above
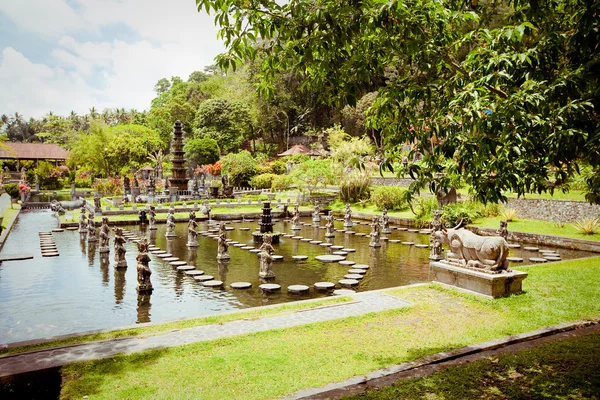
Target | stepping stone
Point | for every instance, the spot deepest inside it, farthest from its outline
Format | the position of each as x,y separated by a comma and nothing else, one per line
58,230
513,246
255,251
384,239
204,278
15,257
298,289
213,284
240,245
425,231
247,247
241,285
330,258
402,229
413,230
357,271
530,248
288,236
348,250
46,249
353,276
343,292
394,241
297,258
515,259
306,240
408,243
348,282
233,242
350,233
323,286
269,287
277,258
169,259
360,234
297,237
194,272
337,247
340,253
185,268
546,251
45,233
316,242
52,254
72,228
360,266
244,229
229,228
421,246
325,244
347,262
177,263
157,252
553,258
537,260
166,255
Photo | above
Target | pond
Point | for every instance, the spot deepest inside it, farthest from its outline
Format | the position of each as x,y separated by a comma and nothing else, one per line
77,291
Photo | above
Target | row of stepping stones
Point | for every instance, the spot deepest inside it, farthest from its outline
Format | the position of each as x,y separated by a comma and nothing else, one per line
383,238
546,255
48,245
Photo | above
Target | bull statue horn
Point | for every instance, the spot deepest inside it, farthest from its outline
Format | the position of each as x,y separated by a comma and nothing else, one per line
459,224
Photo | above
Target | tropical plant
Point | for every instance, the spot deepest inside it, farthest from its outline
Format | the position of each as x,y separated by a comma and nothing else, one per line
202,151
390,197
355,186
12,189
240,167
282,182
313,173
587,226
509,214
262,181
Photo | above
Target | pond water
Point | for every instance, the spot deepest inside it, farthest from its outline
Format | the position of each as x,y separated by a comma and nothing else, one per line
78,291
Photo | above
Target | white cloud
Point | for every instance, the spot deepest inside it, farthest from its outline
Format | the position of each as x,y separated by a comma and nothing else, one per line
175,40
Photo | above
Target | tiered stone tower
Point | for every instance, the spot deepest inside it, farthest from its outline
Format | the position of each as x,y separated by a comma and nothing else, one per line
266,224
178,179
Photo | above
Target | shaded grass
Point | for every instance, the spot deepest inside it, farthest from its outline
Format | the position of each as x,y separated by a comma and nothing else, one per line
188,323
10,212
278,362
369,208
538,227
568,369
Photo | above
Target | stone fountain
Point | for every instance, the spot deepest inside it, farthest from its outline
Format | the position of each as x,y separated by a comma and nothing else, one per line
266,226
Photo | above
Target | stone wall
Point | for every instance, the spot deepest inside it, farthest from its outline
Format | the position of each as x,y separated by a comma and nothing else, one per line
553,210
4,202
380,181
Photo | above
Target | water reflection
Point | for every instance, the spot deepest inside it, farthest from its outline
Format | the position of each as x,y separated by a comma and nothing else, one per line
223,267
104,264
119,285
143,308
91,253
192,255
82,245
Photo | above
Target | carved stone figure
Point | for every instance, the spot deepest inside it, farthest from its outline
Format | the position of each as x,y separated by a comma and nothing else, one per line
151,184
225,180
316,215
127,185
192,232
152,224
82,221
435,246
266,259
207,205
104,239
223,246
296,219
385,222
91,229
482,252
503,230
348,217
171,223
97,206
23,176
436,224
143,269
120,261
375,233
329,232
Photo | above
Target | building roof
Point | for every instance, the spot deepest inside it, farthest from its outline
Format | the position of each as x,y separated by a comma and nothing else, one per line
32,151
300,149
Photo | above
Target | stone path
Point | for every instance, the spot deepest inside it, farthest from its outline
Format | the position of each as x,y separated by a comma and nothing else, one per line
363,303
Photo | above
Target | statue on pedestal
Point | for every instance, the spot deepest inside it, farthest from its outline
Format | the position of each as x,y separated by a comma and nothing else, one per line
152,218
266,259
348,217
171,223
104,239
192,232
375,233
23,176
127,185
435,246
436,224
97,206
120,261
82,221
316,215
91,229
503,230
296,219
143,269
385,222
329,218
223,246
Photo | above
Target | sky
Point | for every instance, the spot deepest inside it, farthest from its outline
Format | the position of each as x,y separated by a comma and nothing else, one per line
71,55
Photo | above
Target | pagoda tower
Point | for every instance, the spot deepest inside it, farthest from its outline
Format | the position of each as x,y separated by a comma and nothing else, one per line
178,178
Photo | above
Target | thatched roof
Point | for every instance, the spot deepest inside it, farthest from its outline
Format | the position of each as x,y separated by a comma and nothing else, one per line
300,149
32,151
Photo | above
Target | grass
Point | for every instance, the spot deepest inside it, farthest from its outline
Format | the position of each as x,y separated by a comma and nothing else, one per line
278,362
538,227
176,325
568,369
370,208
9,212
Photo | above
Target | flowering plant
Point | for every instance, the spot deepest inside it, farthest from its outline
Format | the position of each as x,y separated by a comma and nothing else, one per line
23,188
214,169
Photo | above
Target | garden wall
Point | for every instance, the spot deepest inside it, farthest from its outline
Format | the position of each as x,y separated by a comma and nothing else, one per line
553,210
380,181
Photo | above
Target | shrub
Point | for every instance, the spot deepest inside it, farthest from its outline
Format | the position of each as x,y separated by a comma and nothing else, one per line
240,167
263,181
313,173
202,150
83,182
355,187
214,169
509,214
49,176
491,210
587,226
278,167
12,189
466,211
282,182
390,197
109,187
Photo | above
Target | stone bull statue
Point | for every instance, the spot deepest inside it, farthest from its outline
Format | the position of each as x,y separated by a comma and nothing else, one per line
485,252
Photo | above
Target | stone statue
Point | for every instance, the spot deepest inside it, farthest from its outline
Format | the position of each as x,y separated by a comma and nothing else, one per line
207,205
136,184
192,232
375,233
436,224
487,253
316,216
203,180
127,185
171,223
266,259
435,246
120,261
97,206
223,246
385,222
329,218
503,230
143,269
225,180
348,217
82,221
23,176
91,229
296,219
104,239
152,218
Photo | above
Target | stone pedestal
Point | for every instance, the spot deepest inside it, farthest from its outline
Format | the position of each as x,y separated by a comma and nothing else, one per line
491,285
104,249
144,288
121,264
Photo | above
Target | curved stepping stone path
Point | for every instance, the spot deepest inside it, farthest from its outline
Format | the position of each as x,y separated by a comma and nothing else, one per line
514,259
194,272
353,276
347,262
298,258
169,259
241,285
421,246
297,289
323,286
330,258
348,250
337,247
408,243
177,263
357,271
269,287
213,284
184,268
166,255
513,246
530,248
343,292
360,266
325,244
47,245
348,282
555,258
537,260
340,253
204,278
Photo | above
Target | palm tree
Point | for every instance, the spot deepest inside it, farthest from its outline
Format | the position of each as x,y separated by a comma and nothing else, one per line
158,159
93,113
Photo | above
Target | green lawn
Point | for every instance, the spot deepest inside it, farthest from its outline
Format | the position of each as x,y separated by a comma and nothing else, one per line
370,208
537,226
567,369
275,363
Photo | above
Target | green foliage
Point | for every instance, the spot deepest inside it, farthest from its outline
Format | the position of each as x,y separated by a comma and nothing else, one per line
313,173
228,122
587,226
12,189
49,176
508,214
346,150
83,182
467,211
109,187
202,151
278,167
423,208
240,167
262,181
282,182
355,186
390,197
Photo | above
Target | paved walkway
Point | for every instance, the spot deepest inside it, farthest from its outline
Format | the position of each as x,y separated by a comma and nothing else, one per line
364,303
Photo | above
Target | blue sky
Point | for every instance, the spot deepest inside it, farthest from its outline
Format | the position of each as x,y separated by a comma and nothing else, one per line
63,55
